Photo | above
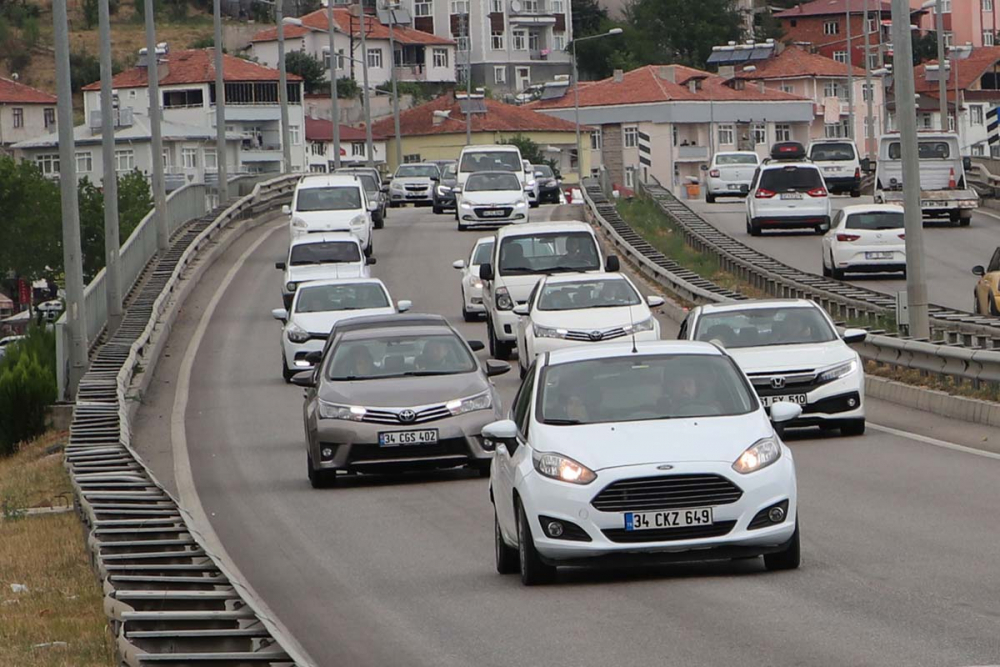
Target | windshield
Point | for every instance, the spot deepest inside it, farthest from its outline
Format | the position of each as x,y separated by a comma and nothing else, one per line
759,327
326,298
791,179
450,171
418,171
832,152
474,161
926,150
600,293
735,158
879,220
549,253
637,388
494,181
483,253
544,170
400,355
367,180
324,253
345,198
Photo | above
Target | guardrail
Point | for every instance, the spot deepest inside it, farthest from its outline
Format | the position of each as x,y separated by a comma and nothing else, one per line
169,599
977,366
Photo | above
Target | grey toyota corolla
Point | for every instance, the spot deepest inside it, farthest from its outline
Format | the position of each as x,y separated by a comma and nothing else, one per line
394,393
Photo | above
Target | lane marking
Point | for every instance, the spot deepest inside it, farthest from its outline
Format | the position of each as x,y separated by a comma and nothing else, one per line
944,444
183,475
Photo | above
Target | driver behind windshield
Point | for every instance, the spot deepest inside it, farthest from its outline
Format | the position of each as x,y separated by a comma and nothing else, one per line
579,251
434,356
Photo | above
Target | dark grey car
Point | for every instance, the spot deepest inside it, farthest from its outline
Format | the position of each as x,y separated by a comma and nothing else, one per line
373,187
396,393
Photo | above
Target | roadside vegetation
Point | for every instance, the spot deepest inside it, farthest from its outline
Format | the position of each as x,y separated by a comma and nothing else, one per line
27,388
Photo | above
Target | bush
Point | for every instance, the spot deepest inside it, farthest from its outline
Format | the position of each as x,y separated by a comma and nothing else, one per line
308,67
27,388
83,69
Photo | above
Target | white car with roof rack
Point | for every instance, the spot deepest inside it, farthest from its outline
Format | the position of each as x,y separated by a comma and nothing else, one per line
787,192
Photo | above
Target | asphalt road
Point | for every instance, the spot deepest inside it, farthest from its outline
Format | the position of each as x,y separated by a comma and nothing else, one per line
899,562
951,251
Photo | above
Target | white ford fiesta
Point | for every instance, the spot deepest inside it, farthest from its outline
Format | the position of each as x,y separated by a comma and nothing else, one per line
657,453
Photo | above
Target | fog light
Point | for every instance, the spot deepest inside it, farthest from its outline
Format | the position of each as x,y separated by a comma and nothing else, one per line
776,514
327,453
554,529
852,402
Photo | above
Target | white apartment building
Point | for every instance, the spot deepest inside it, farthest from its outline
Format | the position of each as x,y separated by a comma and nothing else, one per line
25,112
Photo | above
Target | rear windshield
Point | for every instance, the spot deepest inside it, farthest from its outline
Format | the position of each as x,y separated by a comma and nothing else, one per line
549,253
345,198
880,220
449,171
474,161
927,150
325,253
492,181
791,179
735,159
832,152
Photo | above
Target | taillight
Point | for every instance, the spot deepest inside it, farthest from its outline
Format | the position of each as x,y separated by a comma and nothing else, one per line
714,173
764,194
847,238
817,192
902,236
857,172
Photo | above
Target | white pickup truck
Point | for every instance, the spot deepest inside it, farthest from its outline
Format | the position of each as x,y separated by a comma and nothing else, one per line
944,191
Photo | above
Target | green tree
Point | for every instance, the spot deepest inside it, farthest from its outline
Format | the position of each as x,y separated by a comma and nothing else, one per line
134,202
530,150
31,227
83,69
682,31
309,68
588,17
30,31
924,47
27,388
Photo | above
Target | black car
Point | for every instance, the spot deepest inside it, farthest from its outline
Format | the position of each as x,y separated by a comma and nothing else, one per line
549,185
444,191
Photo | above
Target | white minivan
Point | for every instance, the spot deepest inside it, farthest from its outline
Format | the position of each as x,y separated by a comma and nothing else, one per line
331,203
499,157
839,161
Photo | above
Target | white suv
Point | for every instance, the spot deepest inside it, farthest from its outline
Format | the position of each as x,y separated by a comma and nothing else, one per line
838,160
332,203
788,192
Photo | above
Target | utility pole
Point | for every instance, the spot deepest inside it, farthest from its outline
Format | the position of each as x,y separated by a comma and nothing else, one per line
942,65
153,87
467,18
220,108
76,319
334,101
286,140
365,96
850,77
112,244
906,119
392,77
869,91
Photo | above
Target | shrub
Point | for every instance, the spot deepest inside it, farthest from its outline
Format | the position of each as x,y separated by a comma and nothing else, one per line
27,388
84,69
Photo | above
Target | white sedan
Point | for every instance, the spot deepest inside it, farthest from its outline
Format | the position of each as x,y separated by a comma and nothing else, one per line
490,199
472,285
662,455
569,310
728,173
865,239
317,306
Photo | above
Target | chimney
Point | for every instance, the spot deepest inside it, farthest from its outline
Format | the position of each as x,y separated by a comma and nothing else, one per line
668,73
693,85
760,85
619,76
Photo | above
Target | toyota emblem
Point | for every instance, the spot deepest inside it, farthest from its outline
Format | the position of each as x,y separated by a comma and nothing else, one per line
778,383
596,335
406,416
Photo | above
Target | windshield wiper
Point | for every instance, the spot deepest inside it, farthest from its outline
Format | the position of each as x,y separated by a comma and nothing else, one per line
426,373
563,422
519,270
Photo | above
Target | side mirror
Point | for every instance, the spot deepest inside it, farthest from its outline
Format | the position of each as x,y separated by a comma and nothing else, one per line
978,270
967,163
655,301
476,345
385,187
436,179
521,309
494,367
280,314
704,167
280,266
486,272
744,189
371,260
286,209
498,433
458,264
612,264
314,357
304,379
782,413
867,165
403,305
854,335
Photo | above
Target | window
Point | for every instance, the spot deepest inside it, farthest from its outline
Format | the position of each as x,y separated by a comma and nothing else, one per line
423,8
125,160
979,150
834,89
595,139
496,6
759,134
318,147
440,57
867,92
463,43
357,148
787,88
837,130
782,132
726,135
519,43
375,58
945,6
872,25
499,74
840,56
949,38
673,134
410,159
987,5
84,162
559,6
210,159
630,136
534,41
872,61
496,40
341,61
293,134
48,163
317,168
951,123
166,158
976,114
189,158
924,121
831,28
459,6
987,38
50,117
630,177
559,41
868,128
18,117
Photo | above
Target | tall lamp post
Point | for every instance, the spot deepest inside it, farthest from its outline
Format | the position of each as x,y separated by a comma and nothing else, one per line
156,135
576,97
112,243
220,108
392,7
286,140
850,76
869,134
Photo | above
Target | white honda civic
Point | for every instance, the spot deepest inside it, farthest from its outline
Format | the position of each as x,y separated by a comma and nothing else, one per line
659,452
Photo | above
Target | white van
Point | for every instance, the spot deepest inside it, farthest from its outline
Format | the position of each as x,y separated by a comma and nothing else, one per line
331,203
839,161
498,157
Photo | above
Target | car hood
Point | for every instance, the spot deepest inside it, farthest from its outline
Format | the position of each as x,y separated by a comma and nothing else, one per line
520,286
500,197
401,392
334,220
620,444
591,319
300,274
791,357
401,182
322,323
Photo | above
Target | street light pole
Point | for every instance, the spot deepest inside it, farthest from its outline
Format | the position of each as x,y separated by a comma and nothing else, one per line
392,7
850,77
869,91
153,86
942,72
220,107
365,97
906,119
112,243
334,101
467,16
576,98
286,140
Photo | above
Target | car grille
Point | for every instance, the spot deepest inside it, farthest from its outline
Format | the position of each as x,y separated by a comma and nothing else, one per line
427,413
666,492
447,447
789,382
595,336
505,212
668,534
416,188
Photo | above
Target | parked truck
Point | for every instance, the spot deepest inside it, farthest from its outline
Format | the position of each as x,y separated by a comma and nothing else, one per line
944,190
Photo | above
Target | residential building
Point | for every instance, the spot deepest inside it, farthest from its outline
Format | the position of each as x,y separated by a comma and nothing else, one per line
189,151
25,112
320,155
436,130
419,56
824,81
974,22
187,97
821,26
666,121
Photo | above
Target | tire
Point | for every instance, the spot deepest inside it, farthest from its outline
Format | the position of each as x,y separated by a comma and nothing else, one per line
483,469
709,198
994,307
754,228
504,350
789,559
975,304
286,372
521,370
826,270
319,479
379,223
467,315
836,274
437,209
371,247
964,222
506,557
854,427
855,193
459,224
393,204
533,571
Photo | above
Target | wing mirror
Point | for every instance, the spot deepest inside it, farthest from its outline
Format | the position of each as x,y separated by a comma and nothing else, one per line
371,260
280,314
967,163
867,165
303,379
655,301
280,266
782,413
498,433
978,270
854,335
521,309
704,167
385,187
486,271
404,305
458,264
494,367
286,209
612,264
476,345
314,357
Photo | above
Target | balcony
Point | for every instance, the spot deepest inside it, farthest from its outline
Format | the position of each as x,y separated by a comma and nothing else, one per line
691,154
410,72
531,12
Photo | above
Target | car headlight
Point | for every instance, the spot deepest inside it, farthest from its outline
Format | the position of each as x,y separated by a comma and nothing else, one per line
483,401
299,223
291,287
466,206
359,220
759,455
396,187
296,334
443,189
503,300
548,332
838,371
352,413
645,325
520,204
477,284
557,466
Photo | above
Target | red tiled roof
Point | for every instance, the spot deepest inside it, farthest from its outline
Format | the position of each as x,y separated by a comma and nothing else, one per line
828,7
499,117
195,66
650,85
969,71
795,62
318,129
344,23
12,92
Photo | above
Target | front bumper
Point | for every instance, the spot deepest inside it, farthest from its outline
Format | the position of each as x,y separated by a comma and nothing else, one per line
473,299
471,219
729,533
446,201
840,400
406,197
294,353
505,325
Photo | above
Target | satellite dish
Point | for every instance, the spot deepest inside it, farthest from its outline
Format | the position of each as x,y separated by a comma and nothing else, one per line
515,6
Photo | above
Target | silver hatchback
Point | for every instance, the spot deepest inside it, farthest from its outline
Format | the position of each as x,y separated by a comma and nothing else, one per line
393,393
